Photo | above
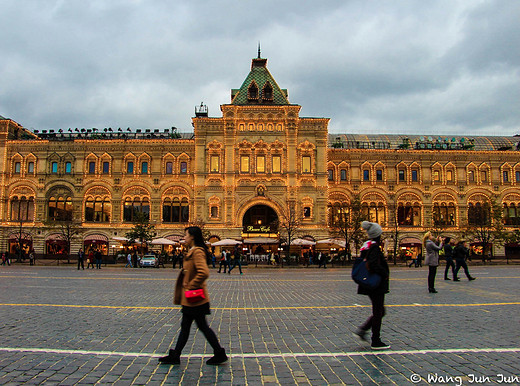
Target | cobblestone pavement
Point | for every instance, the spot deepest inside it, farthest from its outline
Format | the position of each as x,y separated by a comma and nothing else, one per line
281,326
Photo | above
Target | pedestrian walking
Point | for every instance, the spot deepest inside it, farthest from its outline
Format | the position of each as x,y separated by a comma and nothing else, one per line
419,259
32,260
236,261
81,257
135,259
213,259
223,261
461,254
99,258
129,260
193,277
5,258
414,260
376,263
90,259
448,255
432,258
322,260
181,260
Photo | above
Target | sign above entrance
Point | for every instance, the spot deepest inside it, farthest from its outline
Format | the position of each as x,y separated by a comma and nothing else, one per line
257,229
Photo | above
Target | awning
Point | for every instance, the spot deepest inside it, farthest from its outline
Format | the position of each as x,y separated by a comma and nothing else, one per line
96,238
176,238
118,238
302,242
338,242
226,242
261,240
163,241
410,240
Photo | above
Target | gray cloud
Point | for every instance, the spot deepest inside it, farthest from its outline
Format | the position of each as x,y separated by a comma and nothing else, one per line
379,67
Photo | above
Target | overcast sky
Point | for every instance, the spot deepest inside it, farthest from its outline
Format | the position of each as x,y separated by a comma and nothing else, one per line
429,67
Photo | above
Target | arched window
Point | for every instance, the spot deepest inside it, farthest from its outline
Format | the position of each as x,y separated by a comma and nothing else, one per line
339,214
176,210
252,92
267,93
60,208
479,213
98,209
444,214
408,214
511,214
134,206
22,209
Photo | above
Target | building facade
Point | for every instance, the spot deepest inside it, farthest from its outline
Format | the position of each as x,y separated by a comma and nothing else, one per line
242,174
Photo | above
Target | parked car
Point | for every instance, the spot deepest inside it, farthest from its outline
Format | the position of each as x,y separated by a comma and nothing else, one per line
149,261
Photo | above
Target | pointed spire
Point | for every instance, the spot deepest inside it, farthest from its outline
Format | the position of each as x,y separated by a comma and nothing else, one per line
259,50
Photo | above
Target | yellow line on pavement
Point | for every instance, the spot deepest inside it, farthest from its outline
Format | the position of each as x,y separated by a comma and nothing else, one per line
255,308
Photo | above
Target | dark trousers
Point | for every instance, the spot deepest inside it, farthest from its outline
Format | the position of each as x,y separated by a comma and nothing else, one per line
80,263
235,263
432,271
202,325
375,320
449,263
98,263
462,263
222,263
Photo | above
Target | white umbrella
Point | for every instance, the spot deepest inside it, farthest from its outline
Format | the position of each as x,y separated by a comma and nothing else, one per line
338,242
117,238
162,241
302,242
225,242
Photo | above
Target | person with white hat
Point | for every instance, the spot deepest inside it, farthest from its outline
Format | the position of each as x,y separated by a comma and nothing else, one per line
376,263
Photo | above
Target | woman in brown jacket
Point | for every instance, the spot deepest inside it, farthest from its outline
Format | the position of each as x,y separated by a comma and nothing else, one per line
193,277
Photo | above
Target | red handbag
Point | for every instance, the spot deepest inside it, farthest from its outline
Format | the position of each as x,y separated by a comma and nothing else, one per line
195,296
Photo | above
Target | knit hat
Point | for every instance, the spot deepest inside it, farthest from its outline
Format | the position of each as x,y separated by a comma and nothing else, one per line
373,229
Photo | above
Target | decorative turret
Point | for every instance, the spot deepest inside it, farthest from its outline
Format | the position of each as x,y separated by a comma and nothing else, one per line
259,87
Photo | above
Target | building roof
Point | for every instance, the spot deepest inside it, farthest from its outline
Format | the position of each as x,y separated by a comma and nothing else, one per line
261,77
2,118
422,142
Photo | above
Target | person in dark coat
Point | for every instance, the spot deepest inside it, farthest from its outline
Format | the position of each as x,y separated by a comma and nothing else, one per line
99,258
376,263
81,257
448,255
461,253
193,276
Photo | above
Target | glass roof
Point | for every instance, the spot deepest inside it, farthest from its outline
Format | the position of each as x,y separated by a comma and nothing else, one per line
396,141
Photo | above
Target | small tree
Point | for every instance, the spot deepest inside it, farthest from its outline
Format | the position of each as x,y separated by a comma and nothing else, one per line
345,222
68,230
22,236
142,230
288,225
393,222
484,225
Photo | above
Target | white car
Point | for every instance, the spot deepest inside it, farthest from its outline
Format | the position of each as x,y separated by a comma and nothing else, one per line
149,261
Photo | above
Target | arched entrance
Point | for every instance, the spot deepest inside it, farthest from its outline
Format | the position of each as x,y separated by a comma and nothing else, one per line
260,219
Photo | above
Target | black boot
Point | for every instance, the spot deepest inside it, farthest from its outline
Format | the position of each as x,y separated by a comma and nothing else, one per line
171,359
218,358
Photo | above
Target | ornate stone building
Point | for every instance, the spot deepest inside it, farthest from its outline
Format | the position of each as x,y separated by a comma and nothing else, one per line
240,173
